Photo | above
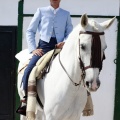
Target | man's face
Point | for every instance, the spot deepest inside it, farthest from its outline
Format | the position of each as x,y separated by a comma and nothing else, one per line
55,2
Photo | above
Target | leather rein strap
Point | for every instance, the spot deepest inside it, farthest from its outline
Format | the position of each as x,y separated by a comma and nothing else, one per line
75,84
92,33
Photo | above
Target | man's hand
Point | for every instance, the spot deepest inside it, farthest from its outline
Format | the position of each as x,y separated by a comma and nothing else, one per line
38,52
60,45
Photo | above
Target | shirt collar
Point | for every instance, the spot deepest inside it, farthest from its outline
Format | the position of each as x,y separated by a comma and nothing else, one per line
54,10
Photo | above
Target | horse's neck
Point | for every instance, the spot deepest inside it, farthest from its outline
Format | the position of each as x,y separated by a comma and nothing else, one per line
69,57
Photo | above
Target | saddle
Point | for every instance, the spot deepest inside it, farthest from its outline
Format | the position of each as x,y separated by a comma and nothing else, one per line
43,63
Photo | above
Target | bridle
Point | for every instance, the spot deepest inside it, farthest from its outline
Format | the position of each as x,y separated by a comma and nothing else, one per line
97,48
98,64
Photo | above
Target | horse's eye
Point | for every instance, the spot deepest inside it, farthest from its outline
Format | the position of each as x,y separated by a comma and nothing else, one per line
82,46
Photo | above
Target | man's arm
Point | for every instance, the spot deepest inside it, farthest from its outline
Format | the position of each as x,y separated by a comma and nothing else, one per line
60,45
31,31
69,27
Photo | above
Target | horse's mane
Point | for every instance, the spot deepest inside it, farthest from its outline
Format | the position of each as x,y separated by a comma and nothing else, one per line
72,38
74,34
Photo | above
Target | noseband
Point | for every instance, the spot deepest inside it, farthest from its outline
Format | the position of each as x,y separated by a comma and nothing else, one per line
96,61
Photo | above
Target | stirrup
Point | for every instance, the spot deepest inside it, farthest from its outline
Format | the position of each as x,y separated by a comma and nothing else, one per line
22,110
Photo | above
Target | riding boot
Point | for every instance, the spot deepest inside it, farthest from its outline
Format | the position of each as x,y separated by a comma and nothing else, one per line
22,107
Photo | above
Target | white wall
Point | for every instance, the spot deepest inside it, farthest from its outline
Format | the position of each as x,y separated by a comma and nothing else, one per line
8,12
9,8
78,7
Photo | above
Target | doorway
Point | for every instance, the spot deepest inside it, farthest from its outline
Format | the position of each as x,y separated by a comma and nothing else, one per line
8,38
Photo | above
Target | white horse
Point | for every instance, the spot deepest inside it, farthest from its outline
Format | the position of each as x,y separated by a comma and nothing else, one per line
63,90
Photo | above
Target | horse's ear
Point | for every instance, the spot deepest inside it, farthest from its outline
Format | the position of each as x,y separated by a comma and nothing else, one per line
108,23
84,20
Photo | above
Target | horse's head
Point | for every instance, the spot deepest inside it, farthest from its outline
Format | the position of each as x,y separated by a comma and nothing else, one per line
92,45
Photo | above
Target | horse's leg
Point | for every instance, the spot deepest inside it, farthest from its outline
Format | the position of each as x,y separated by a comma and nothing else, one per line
20,92
39,115
19,87
49,117
22,117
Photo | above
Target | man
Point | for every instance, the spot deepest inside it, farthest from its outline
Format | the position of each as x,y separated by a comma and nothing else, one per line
54,25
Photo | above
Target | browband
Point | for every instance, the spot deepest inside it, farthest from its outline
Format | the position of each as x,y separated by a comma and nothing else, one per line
93,33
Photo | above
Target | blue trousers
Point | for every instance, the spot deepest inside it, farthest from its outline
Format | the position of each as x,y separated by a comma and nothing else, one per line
45,47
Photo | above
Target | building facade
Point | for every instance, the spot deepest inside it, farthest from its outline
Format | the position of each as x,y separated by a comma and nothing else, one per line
15,17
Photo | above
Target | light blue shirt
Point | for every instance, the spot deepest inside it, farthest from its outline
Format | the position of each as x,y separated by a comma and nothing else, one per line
46,21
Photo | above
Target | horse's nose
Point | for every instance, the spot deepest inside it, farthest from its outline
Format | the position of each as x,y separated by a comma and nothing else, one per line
98,83
95,85
88,84
94,88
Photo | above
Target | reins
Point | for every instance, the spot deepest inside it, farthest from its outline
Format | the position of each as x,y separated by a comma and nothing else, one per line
75,84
